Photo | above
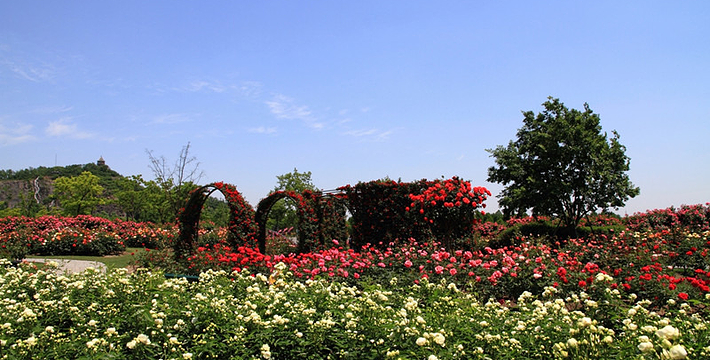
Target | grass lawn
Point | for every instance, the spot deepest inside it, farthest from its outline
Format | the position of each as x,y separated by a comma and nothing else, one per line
111,262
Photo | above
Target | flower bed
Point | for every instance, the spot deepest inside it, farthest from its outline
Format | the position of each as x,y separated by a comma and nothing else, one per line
81,235
650,264
245,316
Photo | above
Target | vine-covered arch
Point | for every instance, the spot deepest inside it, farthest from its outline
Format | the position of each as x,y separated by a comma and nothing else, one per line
319,218
241,229
262,216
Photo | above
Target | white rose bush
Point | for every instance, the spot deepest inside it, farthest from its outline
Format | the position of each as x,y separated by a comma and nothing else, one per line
642,292
239,315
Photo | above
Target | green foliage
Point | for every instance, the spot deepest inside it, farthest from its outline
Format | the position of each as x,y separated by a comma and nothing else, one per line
549,232
103,172
130,196
283,213
79,194
562,165
215,212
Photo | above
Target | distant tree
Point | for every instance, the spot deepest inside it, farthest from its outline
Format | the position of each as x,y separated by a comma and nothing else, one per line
176,181
131,197
562,165
215,211
283,213
79,194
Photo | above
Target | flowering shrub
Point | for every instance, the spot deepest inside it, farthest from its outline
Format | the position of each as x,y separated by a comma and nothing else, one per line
389,211
449,207
694,217
272,316
379,212
81,235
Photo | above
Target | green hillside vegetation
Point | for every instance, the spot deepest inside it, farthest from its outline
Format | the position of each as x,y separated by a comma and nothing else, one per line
112,196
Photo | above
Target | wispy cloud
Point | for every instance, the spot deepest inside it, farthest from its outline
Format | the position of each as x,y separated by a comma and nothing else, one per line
375,135
203,85
32,72
52,109
263,130
65,128
171,119
15,134
250,89
284,107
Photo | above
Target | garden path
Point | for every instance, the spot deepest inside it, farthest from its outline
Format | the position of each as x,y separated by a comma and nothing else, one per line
72,266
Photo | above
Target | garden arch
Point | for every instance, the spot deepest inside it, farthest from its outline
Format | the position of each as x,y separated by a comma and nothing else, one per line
262,216
318,218
242,229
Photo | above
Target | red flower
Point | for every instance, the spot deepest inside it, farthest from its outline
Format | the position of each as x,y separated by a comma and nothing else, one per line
683,296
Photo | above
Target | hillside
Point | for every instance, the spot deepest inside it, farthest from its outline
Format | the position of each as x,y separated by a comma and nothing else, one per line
31,186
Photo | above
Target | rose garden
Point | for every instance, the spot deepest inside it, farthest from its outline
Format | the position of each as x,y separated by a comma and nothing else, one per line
378,270
414,273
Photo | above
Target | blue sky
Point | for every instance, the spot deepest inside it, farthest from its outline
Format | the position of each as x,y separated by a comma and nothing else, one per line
351,91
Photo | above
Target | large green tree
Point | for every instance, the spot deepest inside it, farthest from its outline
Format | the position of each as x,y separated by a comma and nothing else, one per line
78,194
283,213
562,165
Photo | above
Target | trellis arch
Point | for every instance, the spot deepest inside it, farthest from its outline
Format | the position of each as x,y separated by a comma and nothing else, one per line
318,218
262,216
242,229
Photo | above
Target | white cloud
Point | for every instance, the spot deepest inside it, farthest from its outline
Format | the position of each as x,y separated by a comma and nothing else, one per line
171,119
370,134
52,110
284,108
250,89
15,135
263,130
65,128
200,85
32,72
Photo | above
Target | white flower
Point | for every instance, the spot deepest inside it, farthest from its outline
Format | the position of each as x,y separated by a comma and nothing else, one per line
111,331
584,322
645,347
143,339
31,340
432,357
49,329
131,344
676,352
265,351
173,340
572,343
92,322
422,341
668,332
439,339
187,356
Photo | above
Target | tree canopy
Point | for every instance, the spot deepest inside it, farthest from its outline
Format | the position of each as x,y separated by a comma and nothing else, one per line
562,165
283,213
78,194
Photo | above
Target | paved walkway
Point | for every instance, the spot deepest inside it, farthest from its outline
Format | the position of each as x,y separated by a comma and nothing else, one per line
72,266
